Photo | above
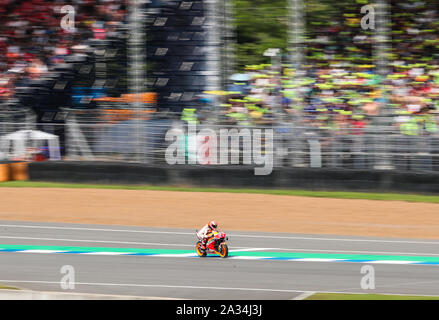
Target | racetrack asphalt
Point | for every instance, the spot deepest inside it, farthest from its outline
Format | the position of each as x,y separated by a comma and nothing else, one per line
208,278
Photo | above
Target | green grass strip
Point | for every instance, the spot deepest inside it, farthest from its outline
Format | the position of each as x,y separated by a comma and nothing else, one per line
302,193
3,287
347,296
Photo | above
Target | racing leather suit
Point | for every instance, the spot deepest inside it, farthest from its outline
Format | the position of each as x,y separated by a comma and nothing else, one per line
205,233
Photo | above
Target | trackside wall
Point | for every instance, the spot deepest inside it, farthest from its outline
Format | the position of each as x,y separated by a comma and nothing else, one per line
235,177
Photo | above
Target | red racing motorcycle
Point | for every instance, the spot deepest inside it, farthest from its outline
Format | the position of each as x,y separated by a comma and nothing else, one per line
216,244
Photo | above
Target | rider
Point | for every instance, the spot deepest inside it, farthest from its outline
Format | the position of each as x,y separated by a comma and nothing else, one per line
206,232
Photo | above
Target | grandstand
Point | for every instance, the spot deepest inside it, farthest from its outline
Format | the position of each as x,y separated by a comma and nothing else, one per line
356,100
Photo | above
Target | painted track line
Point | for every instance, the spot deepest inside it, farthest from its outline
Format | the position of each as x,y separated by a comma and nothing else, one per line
153,286
98,241
234,250
350,251
231,234
247,249
200,287
304,295
93,229
112,241
425,261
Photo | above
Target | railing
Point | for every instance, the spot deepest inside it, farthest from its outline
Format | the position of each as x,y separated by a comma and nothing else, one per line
382,148
13,120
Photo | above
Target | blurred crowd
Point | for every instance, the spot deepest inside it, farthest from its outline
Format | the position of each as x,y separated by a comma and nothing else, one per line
340,85
32,42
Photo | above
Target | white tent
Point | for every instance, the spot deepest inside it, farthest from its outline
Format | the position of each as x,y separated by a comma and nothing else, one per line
23,139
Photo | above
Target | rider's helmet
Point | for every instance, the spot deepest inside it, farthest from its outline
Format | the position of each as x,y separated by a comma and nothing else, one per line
213,224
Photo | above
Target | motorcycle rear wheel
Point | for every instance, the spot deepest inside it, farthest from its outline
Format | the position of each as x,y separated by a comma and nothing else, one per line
200,252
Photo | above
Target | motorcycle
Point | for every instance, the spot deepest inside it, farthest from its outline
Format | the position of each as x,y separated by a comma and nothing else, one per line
216,244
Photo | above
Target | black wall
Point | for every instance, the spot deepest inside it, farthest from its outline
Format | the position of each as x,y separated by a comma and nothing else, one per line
235,177
178,53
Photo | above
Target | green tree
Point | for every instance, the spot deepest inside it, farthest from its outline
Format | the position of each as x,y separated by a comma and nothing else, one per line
262,24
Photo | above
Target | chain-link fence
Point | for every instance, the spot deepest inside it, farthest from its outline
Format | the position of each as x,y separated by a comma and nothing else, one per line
13,120
144,141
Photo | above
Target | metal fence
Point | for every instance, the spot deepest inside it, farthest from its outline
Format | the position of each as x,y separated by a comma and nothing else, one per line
373,148
382,148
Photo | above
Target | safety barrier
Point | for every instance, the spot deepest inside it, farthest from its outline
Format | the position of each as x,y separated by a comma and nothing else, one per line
235,177
4,172
14,171
144,141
